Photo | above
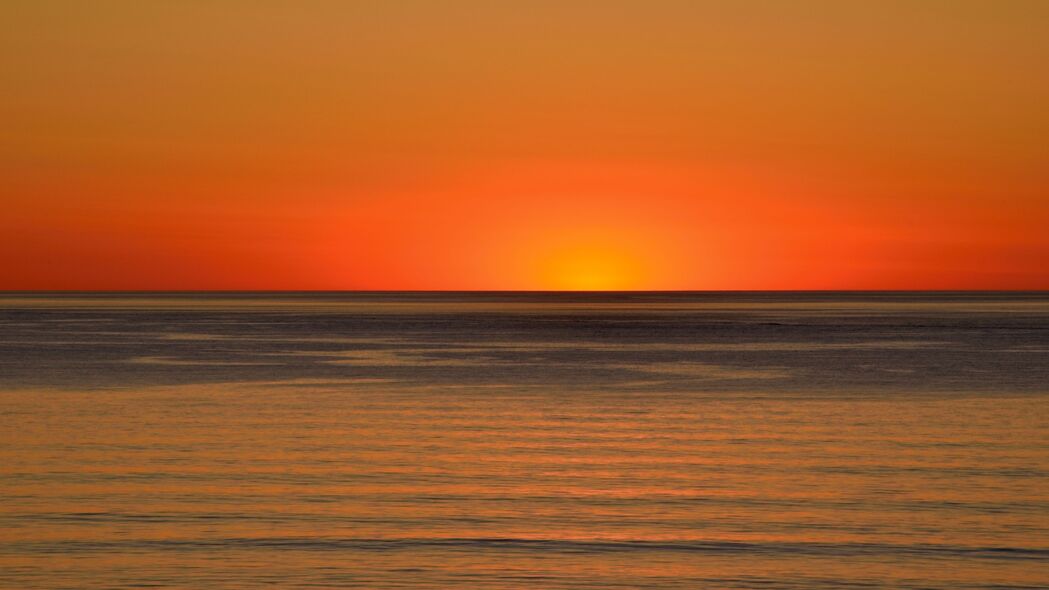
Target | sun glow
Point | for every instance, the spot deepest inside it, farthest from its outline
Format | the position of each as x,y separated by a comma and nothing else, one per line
594,267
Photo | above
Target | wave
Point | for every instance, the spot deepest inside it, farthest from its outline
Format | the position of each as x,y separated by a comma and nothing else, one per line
538,545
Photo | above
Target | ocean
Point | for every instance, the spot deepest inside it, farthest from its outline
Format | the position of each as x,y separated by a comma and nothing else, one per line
524,440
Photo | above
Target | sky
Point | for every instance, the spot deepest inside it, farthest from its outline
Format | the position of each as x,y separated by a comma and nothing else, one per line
568,144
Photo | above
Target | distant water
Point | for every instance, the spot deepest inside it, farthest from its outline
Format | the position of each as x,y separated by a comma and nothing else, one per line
528,440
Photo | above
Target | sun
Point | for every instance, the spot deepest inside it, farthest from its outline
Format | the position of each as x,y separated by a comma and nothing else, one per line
593,266
570,255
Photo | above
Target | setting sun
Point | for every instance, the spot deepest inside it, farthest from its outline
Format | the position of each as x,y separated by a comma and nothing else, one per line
594,267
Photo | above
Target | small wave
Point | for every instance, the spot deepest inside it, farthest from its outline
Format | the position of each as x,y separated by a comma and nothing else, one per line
538,545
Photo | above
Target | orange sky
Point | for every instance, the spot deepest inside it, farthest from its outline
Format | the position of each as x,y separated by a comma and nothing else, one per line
471,144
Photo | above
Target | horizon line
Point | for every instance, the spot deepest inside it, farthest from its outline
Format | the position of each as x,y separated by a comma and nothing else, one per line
510,291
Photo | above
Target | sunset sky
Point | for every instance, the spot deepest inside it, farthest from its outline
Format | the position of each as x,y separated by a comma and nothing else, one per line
481,144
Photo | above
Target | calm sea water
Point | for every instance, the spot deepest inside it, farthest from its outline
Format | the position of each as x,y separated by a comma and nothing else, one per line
738,440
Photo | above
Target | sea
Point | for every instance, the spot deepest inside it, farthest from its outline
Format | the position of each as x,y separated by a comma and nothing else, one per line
724,440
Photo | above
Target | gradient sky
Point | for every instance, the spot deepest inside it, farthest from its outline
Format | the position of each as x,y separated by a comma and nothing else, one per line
479,144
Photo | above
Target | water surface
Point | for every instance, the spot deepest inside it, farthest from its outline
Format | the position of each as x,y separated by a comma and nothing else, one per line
524,440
